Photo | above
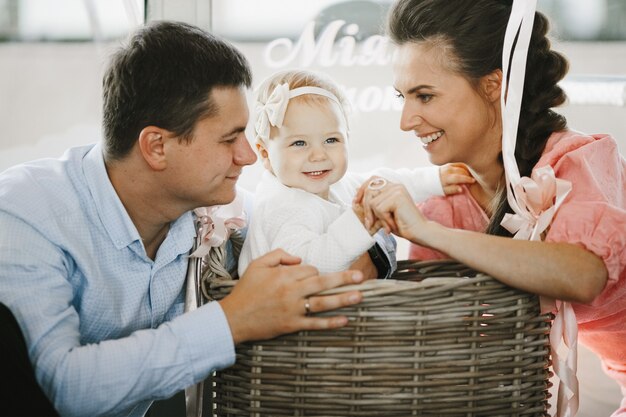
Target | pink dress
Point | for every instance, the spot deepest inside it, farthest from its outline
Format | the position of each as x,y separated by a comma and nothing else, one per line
593,216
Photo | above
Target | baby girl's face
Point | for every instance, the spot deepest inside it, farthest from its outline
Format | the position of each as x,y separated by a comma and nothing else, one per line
309,151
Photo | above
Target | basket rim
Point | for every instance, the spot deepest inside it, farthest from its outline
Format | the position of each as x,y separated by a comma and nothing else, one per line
378,287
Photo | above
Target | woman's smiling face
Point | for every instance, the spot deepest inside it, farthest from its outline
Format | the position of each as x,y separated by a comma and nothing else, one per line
453,121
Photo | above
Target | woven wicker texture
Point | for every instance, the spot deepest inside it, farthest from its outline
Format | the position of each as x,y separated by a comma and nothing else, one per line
437,340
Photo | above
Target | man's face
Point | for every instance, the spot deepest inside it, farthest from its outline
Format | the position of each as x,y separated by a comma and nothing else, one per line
204,172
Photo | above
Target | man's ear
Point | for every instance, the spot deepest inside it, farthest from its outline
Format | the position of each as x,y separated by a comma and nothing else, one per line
151,145
264,154
491,85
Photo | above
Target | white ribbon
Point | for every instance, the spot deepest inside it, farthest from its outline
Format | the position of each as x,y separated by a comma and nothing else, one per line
535,200
216,223
272,112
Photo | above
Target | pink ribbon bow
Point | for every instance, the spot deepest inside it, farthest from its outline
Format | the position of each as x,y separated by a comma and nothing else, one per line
216,223
541,195
273,111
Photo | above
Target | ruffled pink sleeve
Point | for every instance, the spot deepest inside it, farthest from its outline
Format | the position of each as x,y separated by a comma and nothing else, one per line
594,213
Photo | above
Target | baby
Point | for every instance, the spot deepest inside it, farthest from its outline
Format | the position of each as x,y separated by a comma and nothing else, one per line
303,201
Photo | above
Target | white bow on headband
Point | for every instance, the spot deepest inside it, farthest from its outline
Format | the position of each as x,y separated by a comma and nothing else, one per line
272,113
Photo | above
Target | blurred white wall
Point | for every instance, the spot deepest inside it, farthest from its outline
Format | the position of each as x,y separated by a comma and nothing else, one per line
50,100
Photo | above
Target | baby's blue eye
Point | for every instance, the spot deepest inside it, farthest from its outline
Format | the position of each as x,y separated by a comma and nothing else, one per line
298,143
332,140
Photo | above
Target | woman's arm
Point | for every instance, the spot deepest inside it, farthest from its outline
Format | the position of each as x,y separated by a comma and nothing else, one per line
559,270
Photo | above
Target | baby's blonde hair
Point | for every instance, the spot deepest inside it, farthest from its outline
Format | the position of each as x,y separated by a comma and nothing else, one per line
297,78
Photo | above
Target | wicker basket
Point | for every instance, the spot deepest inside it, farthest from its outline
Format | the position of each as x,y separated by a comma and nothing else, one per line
438,340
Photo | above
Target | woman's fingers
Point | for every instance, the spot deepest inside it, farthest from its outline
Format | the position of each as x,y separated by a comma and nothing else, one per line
372,197
396,210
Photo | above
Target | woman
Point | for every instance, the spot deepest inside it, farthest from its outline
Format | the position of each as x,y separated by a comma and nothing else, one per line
448,71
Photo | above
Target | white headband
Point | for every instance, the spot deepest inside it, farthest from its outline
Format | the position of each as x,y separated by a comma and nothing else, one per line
273,111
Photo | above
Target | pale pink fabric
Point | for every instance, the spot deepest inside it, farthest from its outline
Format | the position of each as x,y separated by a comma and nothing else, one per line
593,216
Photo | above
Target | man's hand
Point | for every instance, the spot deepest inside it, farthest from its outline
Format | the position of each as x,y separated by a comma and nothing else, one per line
271,298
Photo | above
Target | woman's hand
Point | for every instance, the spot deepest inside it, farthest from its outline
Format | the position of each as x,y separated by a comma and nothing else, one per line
276,295
391,205
372,228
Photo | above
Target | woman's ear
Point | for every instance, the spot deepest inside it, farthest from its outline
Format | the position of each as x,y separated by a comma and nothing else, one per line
264,154
491,85
151,145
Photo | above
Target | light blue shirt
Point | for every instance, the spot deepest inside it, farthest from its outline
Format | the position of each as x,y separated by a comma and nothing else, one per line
102,321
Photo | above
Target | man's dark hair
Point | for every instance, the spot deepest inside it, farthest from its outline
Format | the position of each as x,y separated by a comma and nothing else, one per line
163,77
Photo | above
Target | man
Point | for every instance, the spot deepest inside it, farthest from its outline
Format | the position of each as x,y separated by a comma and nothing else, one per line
94,246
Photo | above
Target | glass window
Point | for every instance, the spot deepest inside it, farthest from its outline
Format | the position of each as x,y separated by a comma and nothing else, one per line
573,20
589,20
68,20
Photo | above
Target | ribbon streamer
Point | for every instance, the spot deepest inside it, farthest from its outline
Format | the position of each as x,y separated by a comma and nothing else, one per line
194,393
535,200
216,223
214,226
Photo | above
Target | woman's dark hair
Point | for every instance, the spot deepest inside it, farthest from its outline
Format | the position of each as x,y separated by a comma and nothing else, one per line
474,32
164,77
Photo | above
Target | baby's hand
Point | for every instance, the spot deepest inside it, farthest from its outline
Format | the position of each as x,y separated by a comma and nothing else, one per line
360,213
452,175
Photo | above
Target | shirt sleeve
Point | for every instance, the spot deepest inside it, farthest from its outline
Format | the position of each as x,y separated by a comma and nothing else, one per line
300,231
388,246
112,376
597,226
594,213
422,183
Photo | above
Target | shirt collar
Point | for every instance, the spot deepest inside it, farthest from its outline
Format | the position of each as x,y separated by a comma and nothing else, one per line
112,213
